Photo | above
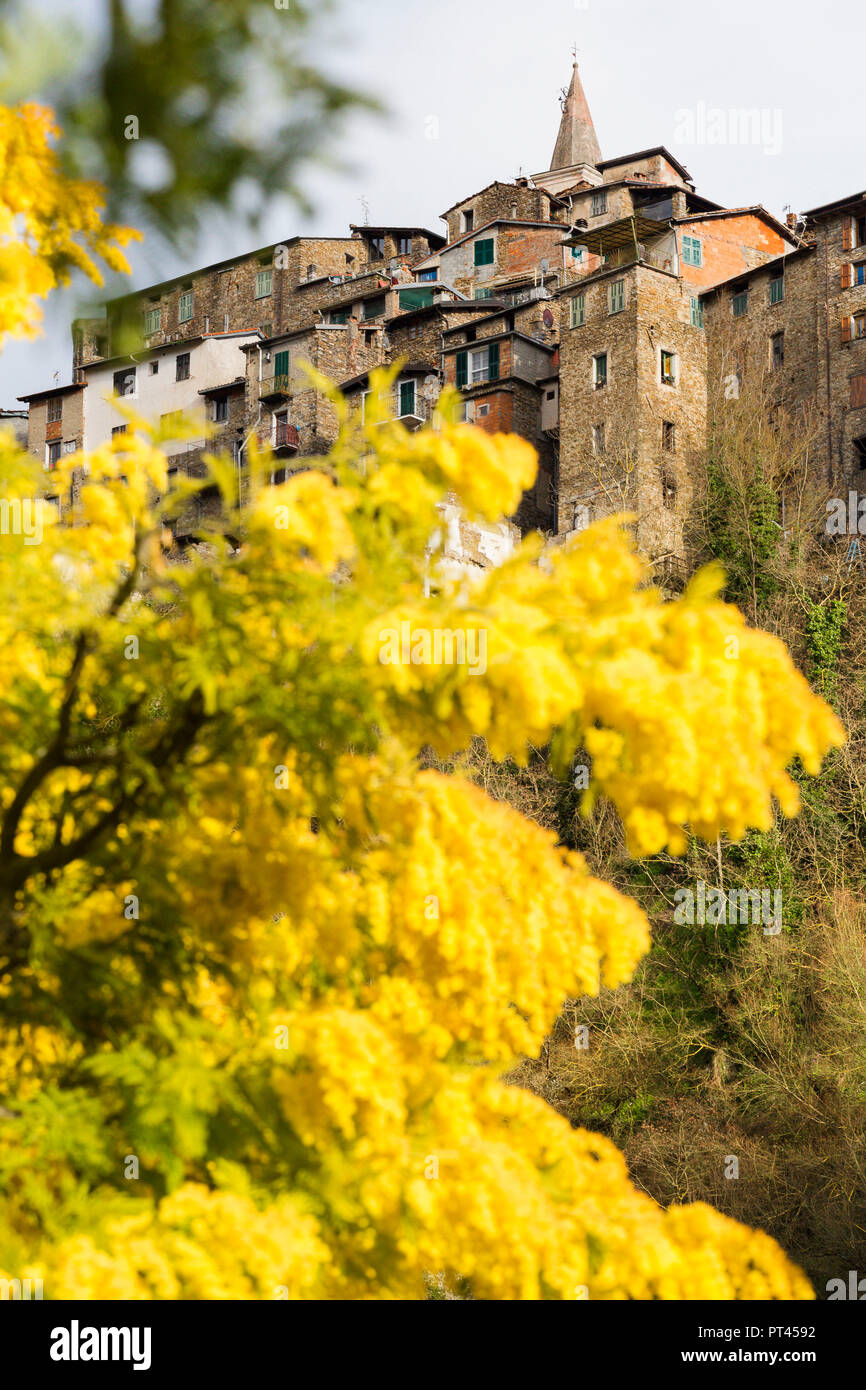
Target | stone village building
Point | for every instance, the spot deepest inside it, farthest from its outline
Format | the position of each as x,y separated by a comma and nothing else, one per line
587,307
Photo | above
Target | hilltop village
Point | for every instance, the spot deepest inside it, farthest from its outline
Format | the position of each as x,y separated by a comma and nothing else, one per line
588,307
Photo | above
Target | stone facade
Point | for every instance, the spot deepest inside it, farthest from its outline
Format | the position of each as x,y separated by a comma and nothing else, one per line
595,308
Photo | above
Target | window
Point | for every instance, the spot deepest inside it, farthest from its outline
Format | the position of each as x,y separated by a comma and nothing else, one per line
221,408
669,436
479,364
599,204
311,272
777,288
374,308
338,316
696,313
124,382
407,397
482,292
69,446
377,248
484,251
550,395
181,367
740,303
119,429
54,410
577,253
404,245
483,410
468,220
598,439
577,311
692,250
668,366
853,232
860,452
599,370
853,327
152,321
616,297
669,485
266,330
777,350
154,367
53,453
264,283
428,275
853,274
185,307
281,371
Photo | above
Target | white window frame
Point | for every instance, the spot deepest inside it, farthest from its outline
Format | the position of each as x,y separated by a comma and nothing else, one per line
407,381
477,373
675,368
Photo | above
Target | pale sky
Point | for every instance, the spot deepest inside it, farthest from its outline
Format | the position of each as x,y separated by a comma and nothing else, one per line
482,77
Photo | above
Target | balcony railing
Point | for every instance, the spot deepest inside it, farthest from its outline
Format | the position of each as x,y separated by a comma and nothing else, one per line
286,436
666,260
275,386
419,410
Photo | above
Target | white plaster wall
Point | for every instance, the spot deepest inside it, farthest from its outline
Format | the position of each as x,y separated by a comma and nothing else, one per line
216,360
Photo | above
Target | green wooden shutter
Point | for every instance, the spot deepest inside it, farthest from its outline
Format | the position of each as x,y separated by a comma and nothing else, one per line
462,368
484,251
407,398
493,362
281,366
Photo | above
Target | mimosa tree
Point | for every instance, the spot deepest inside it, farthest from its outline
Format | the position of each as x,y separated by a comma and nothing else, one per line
260,973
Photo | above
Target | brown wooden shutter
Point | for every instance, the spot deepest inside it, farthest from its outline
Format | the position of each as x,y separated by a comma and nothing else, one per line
858,391
847,233
846,329
847,275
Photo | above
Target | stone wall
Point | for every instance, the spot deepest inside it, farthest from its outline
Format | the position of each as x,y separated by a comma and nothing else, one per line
502,200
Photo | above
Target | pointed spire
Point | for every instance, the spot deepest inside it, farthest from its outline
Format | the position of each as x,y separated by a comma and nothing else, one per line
577,142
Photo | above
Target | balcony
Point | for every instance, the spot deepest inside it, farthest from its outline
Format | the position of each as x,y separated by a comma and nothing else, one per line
283,437
629,241
414,414
275,387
